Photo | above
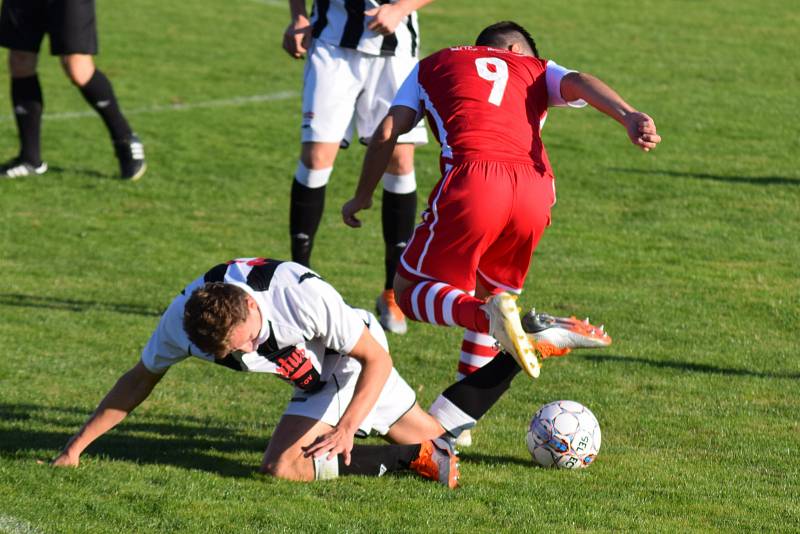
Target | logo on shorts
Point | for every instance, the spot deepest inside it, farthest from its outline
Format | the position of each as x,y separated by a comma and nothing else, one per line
308,115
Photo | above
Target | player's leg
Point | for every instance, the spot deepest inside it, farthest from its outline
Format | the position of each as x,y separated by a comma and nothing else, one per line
73,37
399,203
22,28
398,214
448,248
330,89
308,196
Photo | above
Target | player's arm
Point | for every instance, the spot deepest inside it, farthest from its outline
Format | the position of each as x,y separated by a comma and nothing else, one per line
376,365
130,390
640,127
386,17
297,37
398,121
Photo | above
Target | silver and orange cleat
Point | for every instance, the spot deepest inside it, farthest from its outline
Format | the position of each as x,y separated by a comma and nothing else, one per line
557,336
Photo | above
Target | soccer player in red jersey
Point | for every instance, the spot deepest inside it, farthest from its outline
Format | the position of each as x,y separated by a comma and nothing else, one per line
486,105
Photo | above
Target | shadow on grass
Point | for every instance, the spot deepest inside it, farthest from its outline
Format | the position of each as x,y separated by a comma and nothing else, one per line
91,173
36,301
182,441
688,366
754,180
491,459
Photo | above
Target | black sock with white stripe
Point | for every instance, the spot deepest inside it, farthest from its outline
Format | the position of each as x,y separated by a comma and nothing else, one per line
100,95
461,405
26,97
398,212
375,460
305,214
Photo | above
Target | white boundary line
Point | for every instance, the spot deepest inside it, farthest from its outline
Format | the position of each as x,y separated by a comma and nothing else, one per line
12,525
224,103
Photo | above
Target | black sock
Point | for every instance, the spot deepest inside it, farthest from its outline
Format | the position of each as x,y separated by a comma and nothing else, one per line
26,97
374,460
398,214
100,95
478,392
305,214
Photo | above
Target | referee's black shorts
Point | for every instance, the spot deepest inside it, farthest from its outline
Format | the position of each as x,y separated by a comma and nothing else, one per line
69,23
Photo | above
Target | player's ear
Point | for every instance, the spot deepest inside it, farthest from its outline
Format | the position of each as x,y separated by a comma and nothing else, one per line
516,48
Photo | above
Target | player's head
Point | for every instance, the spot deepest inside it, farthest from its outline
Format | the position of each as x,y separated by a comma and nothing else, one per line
508,35
220,318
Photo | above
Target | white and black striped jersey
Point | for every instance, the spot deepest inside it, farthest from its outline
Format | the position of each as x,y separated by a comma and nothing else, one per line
343,23
301,314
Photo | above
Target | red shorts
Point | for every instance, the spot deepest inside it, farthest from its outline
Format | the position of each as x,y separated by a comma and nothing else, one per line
484,218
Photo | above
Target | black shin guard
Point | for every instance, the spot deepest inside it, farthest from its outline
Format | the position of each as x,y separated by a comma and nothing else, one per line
100,95
398,214
375,460
26,97
305,214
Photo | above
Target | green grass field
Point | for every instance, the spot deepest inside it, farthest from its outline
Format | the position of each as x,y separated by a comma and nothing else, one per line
689,255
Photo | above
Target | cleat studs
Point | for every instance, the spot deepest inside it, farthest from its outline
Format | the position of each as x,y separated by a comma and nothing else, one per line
586,321
602,328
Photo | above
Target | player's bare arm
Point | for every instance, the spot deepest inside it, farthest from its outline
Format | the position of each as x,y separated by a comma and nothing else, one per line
297,37
398,121
640,127
130,390
376,365
386,17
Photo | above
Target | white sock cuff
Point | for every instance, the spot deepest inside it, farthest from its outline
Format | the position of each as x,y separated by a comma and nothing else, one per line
400,184
452,418
325,469
312,178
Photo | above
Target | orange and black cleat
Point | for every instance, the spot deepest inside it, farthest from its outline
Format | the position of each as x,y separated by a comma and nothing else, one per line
437,461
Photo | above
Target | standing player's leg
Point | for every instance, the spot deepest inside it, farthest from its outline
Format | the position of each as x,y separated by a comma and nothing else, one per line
98,92
331,85
22,28
307,201
28,104
398,214
73,36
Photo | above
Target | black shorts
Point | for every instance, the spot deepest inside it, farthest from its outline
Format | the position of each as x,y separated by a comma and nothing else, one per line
69,23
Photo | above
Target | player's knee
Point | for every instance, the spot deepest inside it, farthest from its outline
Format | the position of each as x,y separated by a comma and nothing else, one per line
79,68
283,468
402,161
22,64
400,184
312,178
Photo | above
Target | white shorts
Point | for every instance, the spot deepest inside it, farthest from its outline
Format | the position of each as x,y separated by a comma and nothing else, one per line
342,86
329,403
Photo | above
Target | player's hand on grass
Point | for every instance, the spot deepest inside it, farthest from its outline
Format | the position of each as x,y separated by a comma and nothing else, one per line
641,130
385,18
337,441
297,38
65,460
353,206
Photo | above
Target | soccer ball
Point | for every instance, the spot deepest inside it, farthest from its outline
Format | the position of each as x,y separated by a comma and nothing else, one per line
564,434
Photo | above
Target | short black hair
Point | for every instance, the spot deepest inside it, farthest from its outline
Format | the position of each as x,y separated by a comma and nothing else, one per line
505,33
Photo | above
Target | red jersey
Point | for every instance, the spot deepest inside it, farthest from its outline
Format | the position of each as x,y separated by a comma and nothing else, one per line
486,104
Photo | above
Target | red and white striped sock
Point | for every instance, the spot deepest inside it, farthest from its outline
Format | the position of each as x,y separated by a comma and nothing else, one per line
477,350
442,304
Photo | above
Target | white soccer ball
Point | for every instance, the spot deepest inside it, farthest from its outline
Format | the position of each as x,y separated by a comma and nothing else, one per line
564,434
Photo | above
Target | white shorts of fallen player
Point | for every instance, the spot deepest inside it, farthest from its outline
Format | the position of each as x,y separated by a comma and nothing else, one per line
344,87
329,403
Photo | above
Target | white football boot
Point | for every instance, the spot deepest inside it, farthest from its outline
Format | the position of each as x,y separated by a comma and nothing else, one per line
505,326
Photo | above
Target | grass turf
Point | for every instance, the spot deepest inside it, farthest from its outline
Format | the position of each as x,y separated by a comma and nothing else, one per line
689,255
